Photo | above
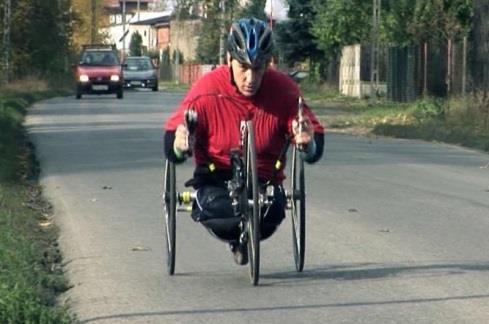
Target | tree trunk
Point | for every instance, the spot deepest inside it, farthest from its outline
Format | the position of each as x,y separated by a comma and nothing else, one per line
6,41
449,68
464,67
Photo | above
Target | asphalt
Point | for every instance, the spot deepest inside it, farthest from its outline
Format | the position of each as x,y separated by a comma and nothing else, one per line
397,230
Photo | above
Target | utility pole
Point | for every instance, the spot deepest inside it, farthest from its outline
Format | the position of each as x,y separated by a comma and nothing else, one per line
222,40
6,41
93,27
177,49
123,28
374,55
138,9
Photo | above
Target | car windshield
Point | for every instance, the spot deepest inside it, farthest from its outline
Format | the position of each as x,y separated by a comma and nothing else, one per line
99,58
138,65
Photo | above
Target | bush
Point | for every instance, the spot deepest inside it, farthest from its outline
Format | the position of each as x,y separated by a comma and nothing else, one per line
428,108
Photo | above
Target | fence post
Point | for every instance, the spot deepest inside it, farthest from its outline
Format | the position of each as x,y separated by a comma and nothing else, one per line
464,67
449,67
425,69
410,75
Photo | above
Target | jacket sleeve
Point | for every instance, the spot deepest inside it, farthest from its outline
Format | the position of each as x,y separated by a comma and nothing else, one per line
318,153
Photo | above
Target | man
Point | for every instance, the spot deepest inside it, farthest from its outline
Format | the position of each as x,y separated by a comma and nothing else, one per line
244,89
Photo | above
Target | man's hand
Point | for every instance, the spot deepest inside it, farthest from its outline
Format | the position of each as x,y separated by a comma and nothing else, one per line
303,131
180,145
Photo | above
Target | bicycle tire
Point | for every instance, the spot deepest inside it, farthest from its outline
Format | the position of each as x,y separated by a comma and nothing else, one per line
253,212
298,210
170,210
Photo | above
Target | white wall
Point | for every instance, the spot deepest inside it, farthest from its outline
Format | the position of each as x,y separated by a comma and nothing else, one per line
350,71
350,82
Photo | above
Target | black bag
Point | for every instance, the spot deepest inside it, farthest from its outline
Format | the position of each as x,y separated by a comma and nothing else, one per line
212,202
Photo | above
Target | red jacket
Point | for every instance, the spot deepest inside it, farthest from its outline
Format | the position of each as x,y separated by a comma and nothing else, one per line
220,108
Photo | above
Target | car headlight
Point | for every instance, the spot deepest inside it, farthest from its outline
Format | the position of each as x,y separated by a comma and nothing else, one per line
84,78
114,78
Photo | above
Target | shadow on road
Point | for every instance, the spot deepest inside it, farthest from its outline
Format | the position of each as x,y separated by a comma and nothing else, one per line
282,308
366,271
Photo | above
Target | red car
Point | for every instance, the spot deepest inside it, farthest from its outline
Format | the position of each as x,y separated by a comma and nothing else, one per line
99,71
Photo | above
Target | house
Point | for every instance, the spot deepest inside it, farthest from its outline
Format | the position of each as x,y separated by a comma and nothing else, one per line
129,16
157,28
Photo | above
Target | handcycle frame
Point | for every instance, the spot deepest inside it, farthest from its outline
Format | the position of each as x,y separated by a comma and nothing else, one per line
247,199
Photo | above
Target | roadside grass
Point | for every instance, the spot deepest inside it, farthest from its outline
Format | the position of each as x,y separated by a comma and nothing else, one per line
30,262
172,86
459,120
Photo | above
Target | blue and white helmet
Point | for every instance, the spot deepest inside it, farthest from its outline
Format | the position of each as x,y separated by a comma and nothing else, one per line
250,41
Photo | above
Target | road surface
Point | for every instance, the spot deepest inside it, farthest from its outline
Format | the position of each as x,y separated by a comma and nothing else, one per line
398,230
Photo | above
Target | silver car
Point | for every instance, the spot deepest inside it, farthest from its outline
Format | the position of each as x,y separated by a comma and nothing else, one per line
140,72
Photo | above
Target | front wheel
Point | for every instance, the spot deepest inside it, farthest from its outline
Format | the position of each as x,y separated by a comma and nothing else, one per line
170,210
253,209
298,210
120,93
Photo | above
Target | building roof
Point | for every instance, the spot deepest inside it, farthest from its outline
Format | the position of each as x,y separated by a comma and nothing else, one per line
116,4
159,20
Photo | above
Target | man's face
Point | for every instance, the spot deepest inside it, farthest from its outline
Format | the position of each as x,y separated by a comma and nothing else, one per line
247,79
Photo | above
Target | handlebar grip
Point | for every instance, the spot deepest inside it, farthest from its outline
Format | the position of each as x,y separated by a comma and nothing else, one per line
191,124
300,116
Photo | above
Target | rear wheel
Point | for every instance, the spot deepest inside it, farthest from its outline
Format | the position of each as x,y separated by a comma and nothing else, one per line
298,210
170,210
155,88
253,211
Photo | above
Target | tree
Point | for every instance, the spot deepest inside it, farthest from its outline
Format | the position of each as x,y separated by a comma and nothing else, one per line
448,21
208,44
295,41
135,46
40,37
480,47
5,48
398,24
341,22
254,8
86,30
433,20
185,9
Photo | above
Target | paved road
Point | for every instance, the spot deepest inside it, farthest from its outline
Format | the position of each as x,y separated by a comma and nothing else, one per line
398,230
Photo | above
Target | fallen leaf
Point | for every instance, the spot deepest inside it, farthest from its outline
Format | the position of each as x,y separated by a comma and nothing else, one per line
141,248
45,223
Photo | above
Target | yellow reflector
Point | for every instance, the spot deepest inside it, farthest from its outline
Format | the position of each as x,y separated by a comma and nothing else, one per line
186,197
278,164
212,167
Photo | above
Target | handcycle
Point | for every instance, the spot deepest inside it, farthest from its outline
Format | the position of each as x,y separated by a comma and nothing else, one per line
248,197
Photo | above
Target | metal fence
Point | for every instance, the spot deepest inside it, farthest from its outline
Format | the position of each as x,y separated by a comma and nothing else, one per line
186,73
442,68
480,46
436,68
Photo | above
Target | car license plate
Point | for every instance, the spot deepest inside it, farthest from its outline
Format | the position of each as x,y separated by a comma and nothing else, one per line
135,82
100,87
